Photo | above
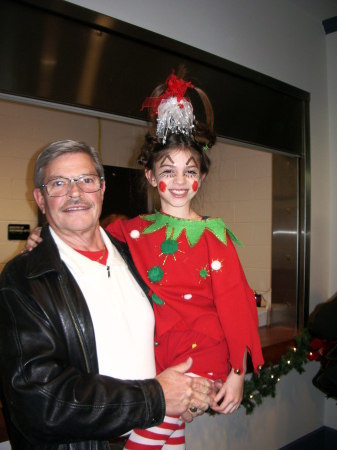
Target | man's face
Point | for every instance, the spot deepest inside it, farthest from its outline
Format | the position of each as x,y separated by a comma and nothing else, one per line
76,211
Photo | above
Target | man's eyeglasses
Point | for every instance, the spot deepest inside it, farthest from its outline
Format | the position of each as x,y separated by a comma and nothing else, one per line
60,186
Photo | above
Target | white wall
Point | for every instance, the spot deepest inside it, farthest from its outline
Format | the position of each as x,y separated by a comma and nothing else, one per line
244,202
272,425
331,40
24,131
283,41
239,189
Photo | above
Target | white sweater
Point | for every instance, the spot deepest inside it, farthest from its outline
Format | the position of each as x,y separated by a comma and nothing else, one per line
121,314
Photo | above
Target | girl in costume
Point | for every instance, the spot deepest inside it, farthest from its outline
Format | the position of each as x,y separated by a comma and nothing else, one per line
203,305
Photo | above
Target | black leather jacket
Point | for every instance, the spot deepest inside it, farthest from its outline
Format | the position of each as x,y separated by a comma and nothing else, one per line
52,394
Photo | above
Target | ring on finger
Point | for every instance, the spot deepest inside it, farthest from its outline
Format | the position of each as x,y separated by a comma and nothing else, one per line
194,410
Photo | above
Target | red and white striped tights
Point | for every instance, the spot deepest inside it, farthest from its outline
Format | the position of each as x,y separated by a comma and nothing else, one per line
170,435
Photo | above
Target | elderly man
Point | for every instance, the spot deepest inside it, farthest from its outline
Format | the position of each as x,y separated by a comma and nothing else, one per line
76,324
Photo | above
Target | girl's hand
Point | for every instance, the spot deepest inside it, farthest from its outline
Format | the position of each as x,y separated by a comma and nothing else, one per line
33,240
231,393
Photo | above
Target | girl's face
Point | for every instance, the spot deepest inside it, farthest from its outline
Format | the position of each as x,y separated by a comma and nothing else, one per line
177,177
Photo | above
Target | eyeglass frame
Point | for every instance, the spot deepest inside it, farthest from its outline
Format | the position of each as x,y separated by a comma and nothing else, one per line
70,184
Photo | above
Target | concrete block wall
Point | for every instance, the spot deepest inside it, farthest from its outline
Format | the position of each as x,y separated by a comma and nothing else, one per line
24,131
238,188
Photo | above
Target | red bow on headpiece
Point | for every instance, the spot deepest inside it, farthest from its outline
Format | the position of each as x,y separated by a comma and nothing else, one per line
176,87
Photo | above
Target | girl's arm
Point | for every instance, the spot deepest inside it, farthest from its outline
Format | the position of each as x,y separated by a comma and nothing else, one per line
231,391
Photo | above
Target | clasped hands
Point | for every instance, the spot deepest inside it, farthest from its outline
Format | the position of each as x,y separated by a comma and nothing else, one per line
189,397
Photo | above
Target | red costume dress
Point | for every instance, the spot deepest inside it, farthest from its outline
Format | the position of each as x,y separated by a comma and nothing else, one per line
203,305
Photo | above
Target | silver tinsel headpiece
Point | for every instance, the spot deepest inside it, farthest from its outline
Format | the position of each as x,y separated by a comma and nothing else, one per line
175,116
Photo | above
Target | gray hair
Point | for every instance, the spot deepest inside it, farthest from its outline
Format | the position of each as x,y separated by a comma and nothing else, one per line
60,148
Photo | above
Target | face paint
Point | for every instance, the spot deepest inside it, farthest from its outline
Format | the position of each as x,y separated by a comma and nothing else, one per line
162,186
195,186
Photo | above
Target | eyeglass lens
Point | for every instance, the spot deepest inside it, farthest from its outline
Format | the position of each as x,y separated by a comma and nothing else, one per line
61,186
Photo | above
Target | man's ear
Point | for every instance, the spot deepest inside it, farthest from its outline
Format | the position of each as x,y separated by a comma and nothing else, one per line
39,199
150,177
103,189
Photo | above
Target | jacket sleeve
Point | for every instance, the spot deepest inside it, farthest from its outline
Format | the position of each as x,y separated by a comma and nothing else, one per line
236,308
50,385
323,320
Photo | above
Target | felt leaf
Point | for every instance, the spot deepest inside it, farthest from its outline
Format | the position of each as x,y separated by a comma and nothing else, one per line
194,229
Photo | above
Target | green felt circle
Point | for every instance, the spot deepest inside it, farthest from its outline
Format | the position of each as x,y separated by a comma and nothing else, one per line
169,247
155,274
157,300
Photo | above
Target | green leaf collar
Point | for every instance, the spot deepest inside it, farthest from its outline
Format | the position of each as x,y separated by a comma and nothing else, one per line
194,229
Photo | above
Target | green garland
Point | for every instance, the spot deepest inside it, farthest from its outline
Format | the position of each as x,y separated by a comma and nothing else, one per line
263,384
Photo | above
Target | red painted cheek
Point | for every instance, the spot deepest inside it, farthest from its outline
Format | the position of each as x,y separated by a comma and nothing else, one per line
195,186
162,186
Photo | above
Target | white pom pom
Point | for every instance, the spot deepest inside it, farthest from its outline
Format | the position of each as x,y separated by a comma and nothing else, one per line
216,265
187,296
135,234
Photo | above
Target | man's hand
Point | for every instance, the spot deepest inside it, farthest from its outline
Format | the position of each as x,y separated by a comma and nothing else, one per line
33,240
183,392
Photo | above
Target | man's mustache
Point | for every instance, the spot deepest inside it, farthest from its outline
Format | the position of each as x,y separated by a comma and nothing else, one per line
76,202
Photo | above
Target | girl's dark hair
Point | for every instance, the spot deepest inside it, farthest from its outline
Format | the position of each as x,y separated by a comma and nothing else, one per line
199,142
153,149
